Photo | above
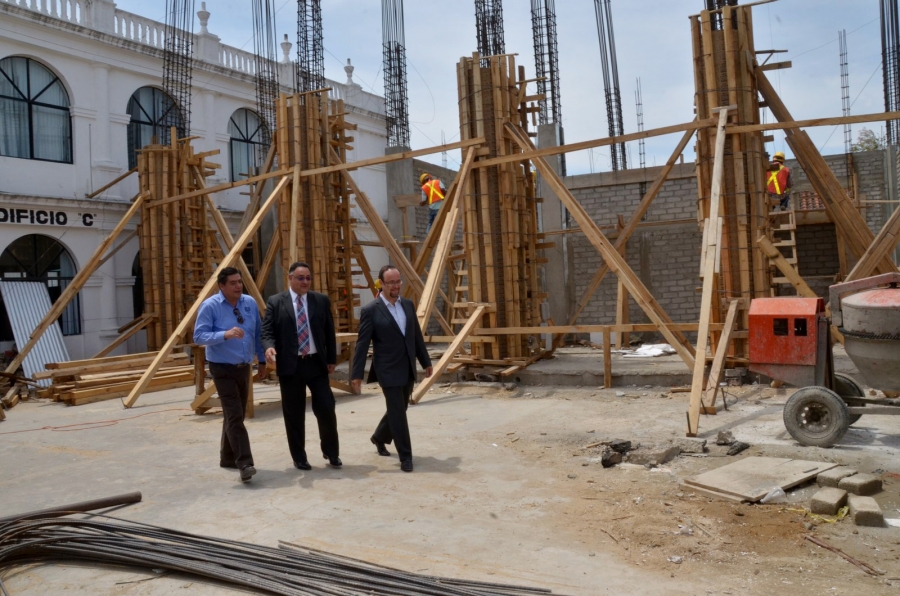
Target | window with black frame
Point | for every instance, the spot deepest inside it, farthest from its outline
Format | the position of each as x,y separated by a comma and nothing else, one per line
152,113
34,112
42,259
248,146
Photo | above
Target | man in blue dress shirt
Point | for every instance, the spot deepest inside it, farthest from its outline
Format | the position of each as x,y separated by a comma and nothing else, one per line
228,324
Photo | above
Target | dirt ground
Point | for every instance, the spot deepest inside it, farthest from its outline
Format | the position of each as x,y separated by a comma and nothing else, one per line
504,490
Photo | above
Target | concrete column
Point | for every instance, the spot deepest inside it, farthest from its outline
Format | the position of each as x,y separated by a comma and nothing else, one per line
101,152
553,218
400,177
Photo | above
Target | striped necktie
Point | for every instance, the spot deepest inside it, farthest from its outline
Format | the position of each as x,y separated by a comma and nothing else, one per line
302,328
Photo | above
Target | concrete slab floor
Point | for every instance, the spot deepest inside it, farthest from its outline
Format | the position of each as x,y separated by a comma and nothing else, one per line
502,490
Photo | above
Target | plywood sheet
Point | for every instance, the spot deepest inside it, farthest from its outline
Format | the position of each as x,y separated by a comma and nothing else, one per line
752,478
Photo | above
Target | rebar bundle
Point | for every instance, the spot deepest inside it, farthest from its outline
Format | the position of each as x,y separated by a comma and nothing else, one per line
489,28
290,570
642,153
716,5
178,64
546,59
266,69
395,90
611,82
310,68
890,46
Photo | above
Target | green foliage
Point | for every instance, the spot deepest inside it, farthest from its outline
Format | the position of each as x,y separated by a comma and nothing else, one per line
866,140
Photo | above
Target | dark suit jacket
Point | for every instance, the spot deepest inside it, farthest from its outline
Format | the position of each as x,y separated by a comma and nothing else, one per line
279,330
394,364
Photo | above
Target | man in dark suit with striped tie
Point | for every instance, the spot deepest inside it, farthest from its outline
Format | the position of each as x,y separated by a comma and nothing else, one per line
298,335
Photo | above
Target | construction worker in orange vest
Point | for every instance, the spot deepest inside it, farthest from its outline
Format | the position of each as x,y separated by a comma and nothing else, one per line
432,195
779,183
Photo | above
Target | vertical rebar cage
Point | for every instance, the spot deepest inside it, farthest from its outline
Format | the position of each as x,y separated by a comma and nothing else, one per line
611,82
890,45
266,70
178,64
395,89
489,29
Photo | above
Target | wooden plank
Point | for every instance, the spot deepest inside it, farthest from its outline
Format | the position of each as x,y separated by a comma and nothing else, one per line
718,363
776,65
607,359
271,254
452,349
79,401
786,268
117,248
630,328
709,277
182,327
111,184
204,397
445,242
145,320
831,121
619,266
584,145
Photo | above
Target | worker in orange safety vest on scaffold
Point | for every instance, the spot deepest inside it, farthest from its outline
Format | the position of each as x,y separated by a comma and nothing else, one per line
432,195
779,183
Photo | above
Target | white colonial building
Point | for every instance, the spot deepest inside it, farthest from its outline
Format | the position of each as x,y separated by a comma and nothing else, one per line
80,86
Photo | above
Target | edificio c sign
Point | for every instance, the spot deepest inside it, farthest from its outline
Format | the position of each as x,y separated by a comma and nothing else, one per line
42,217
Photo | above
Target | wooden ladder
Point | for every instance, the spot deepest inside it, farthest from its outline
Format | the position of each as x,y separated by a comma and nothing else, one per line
783,234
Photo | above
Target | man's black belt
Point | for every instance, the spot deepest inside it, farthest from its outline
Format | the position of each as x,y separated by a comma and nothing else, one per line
241,365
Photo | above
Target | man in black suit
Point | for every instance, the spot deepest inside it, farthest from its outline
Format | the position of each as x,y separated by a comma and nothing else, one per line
390,323
298,335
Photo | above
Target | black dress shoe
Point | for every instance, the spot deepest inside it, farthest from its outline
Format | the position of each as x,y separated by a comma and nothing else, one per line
302,465
406,466
335,462
247,472
382,450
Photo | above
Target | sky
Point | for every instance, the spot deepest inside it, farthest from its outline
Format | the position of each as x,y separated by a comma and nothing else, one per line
653,43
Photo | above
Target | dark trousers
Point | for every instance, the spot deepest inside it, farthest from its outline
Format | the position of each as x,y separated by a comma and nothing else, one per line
394,426
310,373
233,384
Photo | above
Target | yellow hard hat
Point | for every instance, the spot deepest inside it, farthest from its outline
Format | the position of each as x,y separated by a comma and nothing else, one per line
425,176
779,156
377,284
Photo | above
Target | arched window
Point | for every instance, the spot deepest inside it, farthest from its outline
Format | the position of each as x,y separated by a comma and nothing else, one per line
248,142
152,113
34,112
40,258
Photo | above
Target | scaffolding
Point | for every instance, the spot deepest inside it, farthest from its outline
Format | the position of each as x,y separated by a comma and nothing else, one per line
266,70
489,28
178,65
396,99
309,73
611,82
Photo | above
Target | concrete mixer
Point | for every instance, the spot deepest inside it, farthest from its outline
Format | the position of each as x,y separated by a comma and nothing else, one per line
790,341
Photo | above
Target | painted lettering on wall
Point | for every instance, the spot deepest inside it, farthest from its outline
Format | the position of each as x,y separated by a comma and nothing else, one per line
43,217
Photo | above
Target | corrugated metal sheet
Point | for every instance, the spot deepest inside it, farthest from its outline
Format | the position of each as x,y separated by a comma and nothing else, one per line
27,303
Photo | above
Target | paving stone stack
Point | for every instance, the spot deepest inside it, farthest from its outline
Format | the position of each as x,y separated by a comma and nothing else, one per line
845,486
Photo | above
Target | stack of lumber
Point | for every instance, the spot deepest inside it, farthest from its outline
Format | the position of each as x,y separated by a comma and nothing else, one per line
499,213
79,382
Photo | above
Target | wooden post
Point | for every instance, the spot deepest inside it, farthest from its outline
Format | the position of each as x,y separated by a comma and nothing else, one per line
718,364
711,235
607,359
182,327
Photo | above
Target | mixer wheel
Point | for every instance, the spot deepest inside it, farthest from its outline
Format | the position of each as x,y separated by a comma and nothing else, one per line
816,417
845,385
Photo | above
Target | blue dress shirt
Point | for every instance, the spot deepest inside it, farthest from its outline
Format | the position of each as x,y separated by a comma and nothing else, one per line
216,316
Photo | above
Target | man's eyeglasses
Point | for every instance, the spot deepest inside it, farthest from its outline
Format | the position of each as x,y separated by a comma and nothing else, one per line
392,283
240,319
303,277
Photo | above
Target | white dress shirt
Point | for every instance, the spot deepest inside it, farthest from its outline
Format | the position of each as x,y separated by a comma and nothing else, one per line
397,312
312,343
